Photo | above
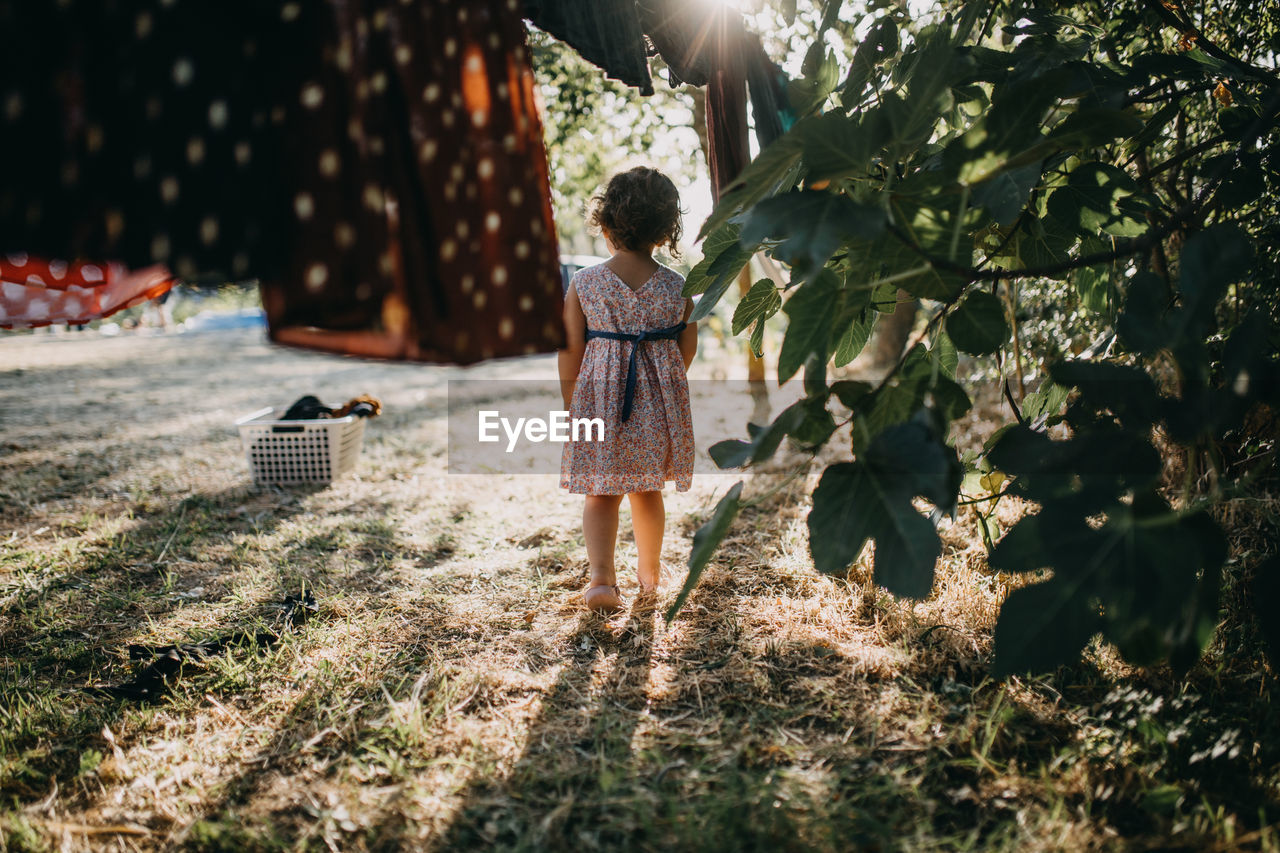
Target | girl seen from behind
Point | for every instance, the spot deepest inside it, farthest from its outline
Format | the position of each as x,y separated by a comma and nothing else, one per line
629,348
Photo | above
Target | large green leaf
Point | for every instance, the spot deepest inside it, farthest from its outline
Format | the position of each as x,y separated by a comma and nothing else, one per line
1039,242
1126,391
1006,140
1241,187
1044,403
730,453
1094,284
1146,576
872,499
775,169
718,244
1211,261
1093,126
1142,324
817,425
854,338
760,302
1148,581
809,316
840,146
914,457
851,505
1005,195
821,74
949,398
930,230
1042,626
1089,472
1050,538
977,325
920,378
734,453
1099,197
724,257
931,67
850,392
880,44
809,226
705,541
944,352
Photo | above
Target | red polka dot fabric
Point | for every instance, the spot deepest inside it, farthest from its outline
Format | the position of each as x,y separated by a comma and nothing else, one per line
36,292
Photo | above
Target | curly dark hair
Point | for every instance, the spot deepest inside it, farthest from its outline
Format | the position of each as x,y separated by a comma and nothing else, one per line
639,208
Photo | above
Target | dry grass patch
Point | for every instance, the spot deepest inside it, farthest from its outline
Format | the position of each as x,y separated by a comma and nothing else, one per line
451,693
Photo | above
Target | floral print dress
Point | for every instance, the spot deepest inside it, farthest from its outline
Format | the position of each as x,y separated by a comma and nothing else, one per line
655,444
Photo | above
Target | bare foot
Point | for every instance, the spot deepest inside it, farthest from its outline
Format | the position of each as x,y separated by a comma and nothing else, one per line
649,580
604,598
601,594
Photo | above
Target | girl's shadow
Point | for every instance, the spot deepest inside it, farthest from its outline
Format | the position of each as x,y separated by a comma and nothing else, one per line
582,737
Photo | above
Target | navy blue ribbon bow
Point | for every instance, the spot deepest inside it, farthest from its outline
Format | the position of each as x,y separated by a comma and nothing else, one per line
670,333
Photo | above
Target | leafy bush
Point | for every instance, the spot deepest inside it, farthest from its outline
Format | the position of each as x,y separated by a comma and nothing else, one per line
1115,159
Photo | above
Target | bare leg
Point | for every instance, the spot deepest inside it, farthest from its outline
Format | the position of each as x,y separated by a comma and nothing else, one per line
648,518
600,530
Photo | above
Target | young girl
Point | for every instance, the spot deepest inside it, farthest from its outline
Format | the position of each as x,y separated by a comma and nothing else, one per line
629,347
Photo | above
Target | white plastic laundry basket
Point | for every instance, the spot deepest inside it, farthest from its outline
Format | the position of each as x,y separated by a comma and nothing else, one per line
306,451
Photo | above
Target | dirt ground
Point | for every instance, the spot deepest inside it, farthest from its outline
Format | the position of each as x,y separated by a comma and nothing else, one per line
451,692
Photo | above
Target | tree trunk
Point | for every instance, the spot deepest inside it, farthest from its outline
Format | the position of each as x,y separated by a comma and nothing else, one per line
893,331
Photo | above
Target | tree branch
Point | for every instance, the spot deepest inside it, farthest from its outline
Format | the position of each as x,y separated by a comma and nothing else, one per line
1165,12
1178,159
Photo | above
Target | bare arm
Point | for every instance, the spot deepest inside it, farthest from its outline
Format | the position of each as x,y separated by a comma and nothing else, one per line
689,337
569,359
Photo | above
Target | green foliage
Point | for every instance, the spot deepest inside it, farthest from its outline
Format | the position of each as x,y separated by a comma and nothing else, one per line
774,170
977,325
705,541
851,341
1098,197
592,125
1090,180
764,442
760,303
723,258
809,329
872,499
804,229
19,836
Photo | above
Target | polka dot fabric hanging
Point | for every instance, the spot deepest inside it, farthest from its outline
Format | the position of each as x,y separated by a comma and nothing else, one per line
146,132
35,292
378,166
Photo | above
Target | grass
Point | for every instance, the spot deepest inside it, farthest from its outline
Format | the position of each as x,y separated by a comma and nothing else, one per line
452,694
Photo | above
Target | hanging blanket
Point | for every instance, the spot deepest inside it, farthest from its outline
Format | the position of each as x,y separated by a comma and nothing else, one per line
377,166
34,292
